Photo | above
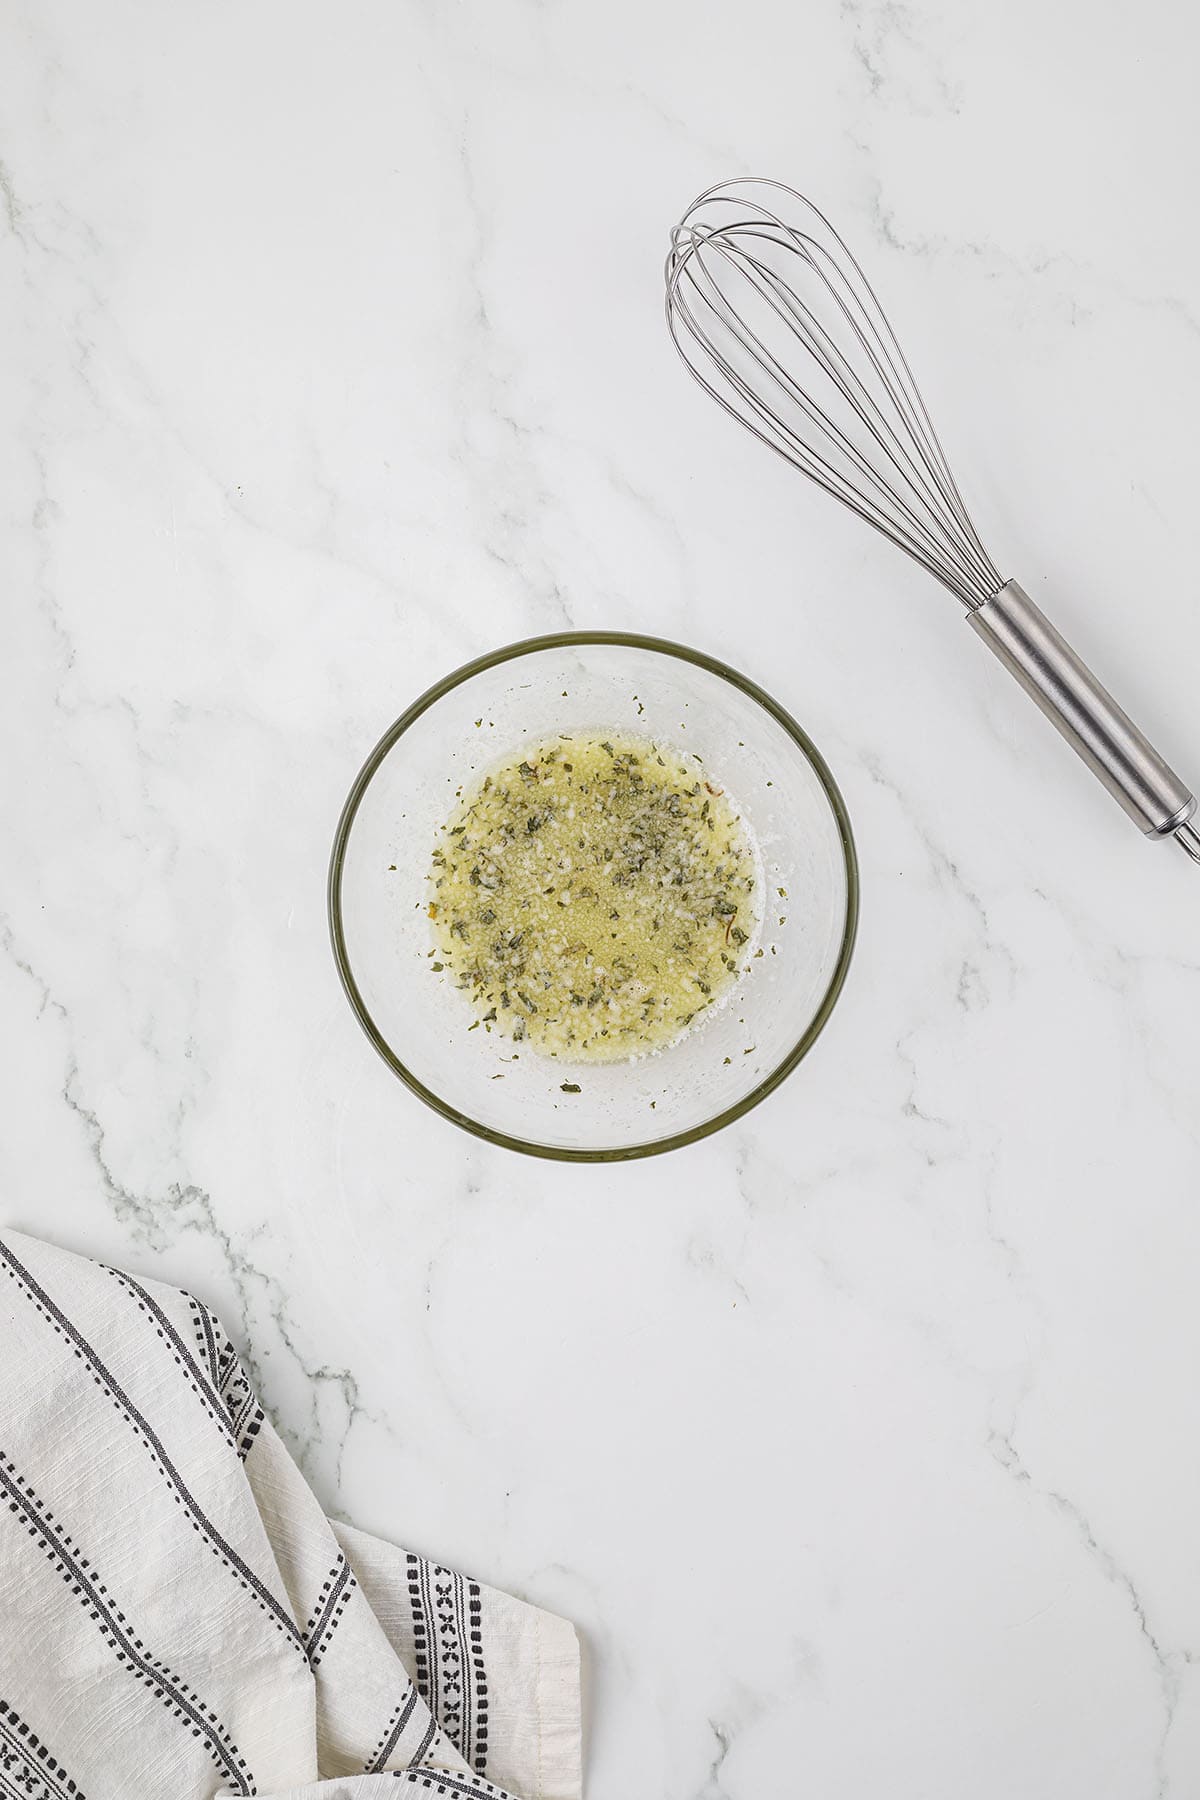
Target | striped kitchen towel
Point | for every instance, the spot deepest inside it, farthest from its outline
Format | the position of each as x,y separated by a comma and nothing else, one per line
178,1618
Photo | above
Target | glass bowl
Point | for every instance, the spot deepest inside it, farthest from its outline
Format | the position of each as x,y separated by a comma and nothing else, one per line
485,712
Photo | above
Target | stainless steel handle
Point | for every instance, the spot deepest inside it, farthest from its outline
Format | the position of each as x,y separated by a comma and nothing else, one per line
1086,714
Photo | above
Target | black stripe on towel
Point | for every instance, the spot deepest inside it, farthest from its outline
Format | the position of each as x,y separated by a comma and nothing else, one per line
120,1399
130,1651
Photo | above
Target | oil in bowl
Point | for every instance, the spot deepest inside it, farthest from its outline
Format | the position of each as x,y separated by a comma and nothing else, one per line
595,897
541,1030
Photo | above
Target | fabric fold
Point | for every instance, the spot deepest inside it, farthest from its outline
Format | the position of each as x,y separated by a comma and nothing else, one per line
179,1619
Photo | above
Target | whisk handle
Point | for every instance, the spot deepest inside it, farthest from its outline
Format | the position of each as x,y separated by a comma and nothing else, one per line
1086,714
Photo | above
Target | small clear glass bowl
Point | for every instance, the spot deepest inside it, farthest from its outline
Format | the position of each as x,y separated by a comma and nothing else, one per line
608,682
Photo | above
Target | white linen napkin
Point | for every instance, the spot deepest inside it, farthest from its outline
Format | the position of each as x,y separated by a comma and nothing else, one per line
178,1618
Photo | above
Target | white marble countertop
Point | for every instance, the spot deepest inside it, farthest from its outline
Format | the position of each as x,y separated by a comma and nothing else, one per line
861,1440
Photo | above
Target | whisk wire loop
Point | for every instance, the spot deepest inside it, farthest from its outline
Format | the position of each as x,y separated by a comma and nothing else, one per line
825,351
737,318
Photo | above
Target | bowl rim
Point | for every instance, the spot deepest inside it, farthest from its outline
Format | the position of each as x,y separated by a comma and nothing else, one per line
508,653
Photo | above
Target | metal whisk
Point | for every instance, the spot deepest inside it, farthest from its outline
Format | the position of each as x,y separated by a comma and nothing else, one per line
774,318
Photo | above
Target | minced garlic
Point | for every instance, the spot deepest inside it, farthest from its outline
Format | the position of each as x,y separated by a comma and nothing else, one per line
594,897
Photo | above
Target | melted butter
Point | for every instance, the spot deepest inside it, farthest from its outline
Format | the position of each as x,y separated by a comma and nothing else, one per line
593,898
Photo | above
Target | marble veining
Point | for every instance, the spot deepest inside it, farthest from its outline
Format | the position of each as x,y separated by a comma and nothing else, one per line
860,1440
